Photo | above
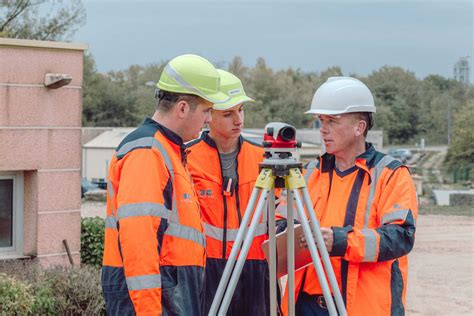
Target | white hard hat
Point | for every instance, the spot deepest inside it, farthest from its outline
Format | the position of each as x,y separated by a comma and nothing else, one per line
340,95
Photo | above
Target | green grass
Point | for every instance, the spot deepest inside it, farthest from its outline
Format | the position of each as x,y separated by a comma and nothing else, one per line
446,210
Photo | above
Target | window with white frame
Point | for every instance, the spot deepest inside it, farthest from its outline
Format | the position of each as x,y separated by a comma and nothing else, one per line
11,213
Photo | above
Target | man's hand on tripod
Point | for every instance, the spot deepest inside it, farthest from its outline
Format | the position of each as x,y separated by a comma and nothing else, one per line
328,237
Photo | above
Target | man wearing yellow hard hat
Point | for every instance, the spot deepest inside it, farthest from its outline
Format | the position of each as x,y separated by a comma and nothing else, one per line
154,252
224,167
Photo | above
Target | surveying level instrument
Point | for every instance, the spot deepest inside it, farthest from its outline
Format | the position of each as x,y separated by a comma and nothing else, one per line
279,170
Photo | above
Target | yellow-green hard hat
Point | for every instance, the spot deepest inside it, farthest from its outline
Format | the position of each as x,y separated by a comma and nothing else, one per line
192,74
232,86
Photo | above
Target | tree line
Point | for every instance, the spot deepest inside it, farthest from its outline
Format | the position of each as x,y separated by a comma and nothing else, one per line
408,108
438,109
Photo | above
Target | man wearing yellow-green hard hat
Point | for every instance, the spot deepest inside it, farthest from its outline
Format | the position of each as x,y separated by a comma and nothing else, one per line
224,167
154,235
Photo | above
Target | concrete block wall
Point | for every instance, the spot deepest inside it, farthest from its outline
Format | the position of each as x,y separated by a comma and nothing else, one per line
40,136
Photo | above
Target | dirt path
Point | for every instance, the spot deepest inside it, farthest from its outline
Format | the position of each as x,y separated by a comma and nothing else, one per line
441,271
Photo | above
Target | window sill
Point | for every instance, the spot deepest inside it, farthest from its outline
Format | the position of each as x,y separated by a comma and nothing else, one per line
13,257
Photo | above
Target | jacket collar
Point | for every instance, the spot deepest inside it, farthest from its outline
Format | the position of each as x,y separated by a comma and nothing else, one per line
364,161
174,138
208,140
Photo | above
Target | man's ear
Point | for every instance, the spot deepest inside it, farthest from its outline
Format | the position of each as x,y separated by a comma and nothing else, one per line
182,109
360,128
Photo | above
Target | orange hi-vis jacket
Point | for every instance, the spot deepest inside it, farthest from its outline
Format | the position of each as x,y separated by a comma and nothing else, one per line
222,211
374,230
154,252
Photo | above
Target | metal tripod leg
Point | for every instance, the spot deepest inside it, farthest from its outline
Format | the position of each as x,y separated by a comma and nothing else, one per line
243,254
234,252
323,252
290,248
272,253
314,254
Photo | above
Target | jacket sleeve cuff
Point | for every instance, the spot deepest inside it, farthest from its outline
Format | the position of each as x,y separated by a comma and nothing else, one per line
340,241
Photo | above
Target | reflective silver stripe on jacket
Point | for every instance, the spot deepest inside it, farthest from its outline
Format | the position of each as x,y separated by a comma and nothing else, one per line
137,143
110,222
231,234
399,215
111,191
375,175
370,245
143,209
310,169
143,282
186,232
183,83
156,144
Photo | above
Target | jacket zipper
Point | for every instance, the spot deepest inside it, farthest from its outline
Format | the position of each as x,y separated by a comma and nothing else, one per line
237,198
224,201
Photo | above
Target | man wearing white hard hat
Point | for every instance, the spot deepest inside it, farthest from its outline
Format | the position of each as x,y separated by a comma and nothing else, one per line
366,204
224,167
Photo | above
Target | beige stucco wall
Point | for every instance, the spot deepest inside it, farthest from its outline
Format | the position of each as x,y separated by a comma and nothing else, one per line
40,135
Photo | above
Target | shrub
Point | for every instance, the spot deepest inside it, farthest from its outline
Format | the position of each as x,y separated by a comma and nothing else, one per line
45,302
15,296
92,240
31,289
77,291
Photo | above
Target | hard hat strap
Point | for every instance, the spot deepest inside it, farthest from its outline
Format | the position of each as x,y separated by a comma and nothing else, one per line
165,95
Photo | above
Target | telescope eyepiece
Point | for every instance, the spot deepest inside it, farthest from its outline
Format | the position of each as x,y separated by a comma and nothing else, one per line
287,133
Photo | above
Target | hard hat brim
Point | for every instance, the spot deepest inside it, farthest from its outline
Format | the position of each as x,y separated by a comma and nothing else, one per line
351,109
216,98
232,102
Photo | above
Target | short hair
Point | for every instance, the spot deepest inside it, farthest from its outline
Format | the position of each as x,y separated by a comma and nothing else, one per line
368,118
166,100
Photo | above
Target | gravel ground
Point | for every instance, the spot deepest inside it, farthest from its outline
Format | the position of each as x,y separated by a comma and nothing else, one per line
441,273
441,267
93,209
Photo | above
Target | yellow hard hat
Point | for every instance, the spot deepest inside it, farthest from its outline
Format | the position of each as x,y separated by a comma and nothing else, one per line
232,86
192,74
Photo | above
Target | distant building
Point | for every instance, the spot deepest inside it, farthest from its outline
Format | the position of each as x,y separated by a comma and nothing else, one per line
97,152
462,70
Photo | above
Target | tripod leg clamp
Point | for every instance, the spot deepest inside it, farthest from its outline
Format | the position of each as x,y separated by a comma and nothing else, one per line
265,179
295,179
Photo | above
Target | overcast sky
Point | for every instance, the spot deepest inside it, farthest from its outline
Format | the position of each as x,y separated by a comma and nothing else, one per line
426,37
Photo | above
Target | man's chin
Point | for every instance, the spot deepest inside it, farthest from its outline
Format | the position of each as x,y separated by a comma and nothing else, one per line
330,149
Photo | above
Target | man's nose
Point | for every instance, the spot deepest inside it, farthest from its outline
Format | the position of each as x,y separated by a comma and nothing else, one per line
238,120
208,118
323,128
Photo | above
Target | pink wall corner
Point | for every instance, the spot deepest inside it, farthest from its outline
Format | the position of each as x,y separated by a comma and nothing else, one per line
30,215
40,134
59,190
54,227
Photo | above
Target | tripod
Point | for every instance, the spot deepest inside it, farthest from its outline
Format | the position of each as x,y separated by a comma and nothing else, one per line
280,172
